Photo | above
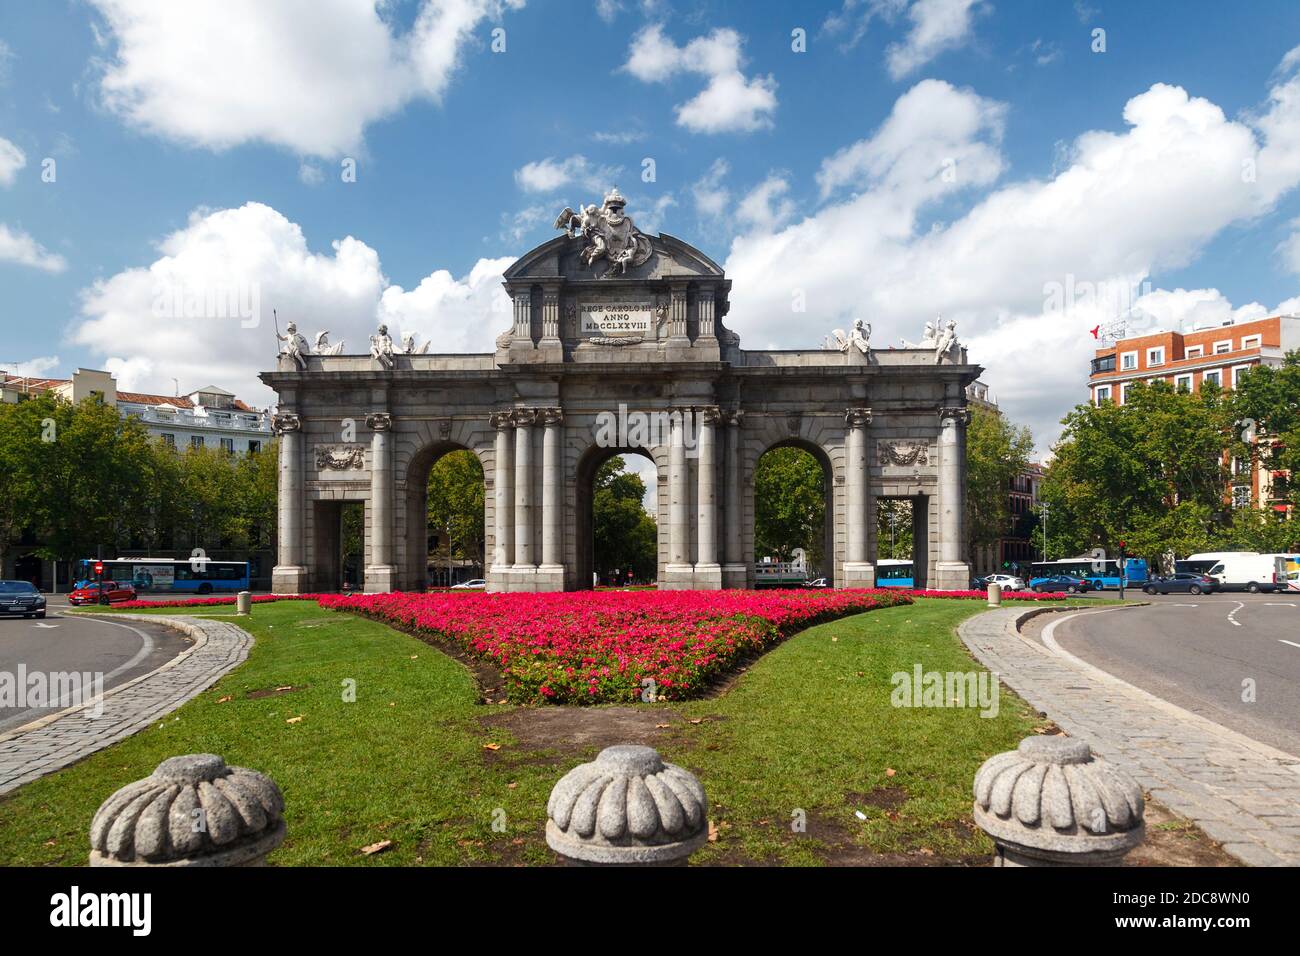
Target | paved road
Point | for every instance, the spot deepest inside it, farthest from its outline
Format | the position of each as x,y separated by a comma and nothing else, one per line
1200,651
120,651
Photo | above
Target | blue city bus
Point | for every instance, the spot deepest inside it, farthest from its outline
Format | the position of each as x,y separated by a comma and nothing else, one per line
894,573
185,576
1097,572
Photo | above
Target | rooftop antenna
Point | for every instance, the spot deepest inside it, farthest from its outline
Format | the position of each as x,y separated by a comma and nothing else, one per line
177,383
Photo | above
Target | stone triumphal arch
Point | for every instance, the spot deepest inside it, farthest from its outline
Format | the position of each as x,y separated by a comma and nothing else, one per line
618,344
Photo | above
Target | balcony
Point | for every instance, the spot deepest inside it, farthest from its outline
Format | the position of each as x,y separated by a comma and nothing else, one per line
1104,364
231,421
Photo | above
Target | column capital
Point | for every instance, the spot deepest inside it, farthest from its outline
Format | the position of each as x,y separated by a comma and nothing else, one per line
379,421
735,417
502,419
709,414
957,414
524,416
550,416
282,422
857,417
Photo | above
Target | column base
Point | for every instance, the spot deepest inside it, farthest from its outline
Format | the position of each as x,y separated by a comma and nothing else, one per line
380,578
859,574
289,579
707,577
677,577
951,576
735,576
549,577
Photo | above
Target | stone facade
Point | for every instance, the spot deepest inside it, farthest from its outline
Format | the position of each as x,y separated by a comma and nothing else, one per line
595,365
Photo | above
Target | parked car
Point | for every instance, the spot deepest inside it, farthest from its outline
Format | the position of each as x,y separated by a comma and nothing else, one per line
1008,582
1060,582
103,592
21,597
1183,582
478,584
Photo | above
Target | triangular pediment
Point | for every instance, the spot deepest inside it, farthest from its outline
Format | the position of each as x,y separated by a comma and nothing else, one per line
562,258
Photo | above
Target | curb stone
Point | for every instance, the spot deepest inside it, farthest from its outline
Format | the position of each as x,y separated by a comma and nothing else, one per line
54,741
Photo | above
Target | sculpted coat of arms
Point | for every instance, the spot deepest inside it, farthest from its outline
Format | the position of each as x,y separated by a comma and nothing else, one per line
608,233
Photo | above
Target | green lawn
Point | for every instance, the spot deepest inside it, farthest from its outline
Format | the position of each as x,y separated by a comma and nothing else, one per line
808,727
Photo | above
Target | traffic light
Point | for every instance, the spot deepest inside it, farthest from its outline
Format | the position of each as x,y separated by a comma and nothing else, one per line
99,568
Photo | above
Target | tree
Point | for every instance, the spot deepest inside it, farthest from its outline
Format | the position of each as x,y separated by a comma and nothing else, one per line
1266,413
626,537
996,452
789,505
894,528
456,501
21,431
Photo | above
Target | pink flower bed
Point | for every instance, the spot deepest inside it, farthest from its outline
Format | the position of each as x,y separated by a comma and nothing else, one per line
1006,595
598,647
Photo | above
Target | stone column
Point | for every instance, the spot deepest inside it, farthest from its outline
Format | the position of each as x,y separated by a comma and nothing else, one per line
858,570
708,572
706,315
524,418
551,573
677,312
734,571
289,576
679,569
381,574
951,572
523,328
503,502
551,317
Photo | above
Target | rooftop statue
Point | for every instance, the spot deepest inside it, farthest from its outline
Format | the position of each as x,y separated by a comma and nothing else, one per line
295,345
928,341
859,337
381,347
609,234
408,345
323,346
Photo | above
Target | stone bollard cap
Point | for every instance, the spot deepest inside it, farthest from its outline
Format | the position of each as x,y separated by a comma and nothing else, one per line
1051,794
626,807
153,822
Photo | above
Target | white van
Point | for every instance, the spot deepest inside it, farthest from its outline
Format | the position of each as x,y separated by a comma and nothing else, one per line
1250,572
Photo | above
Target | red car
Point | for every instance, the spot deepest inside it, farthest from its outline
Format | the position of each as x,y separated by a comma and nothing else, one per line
103,592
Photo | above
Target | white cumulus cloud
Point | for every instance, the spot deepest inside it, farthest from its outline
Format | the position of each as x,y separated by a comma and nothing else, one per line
550,174
308,75
12,159
19,247
937,26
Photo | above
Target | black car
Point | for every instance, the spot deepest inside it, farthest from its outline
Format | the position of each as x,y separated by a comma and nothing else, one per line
1184,582
21,597
1060,582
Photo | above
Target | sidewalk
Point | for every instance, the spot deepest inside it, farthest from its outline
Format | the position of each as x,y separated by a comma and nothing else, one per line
54,741
1242,793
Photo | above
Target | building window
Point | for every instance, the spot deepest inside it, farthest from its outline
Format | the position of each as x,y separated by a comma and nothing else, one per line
169,439
1128,361
254,447
1251,342
1156,356
1222,347
228,444
196,441
1237,372
1194,351
1103,393
1216,377
1182,383
1123,393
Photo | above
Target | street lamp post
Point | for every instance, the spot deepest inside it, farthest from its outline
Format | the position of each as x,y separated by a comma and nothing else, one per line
1047,510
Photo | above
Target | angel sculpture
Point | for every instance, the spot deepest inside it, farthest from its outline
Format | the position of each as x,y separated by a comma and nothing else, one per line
323,346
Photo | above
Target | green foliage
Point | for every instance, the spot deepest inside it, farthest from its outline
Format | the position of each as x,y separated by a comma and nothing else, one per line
625,535
894,528
789,505
996,452
456,502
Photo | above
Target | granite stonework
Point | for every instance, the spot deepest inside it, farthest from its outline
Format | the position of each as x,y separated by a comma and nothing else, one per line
613,354
1050,802
192,811
627,807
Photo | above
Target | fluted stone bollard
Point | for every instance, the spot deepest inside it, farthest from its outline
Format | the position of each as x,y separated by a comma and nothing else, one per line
1050,802
191,811
995,594
243,603
627,808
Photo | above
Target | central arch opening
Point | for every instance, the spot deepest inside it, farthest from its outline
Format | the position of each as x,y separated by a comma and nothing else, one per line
794,536
445,535
617,530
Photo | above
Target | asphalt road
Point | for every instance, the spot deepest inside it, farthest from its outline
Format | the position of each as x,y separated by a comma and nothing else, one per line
1200,652
117,650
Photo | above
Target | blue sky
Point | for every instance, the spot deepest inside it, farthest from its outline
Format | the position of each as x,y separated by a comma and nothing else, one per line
206,150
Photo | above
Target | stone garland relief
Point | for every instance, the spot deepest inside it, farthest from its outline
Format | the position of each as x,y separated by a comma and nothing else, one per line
340,459
904,454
